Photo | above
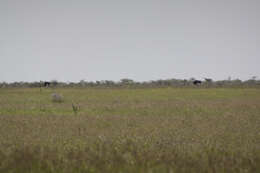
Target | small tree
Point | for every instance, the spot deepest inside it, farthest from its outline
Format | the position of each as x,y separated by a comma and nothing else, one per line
126,81
54,83
208,82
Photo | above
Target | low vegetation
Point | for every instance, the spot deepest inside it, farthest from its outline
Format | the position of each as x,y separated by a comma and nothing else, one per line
58,98
129,83
130,130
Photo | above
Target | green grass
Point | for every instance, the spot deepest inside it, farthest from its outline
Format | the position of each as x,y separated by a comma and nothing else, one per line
130,130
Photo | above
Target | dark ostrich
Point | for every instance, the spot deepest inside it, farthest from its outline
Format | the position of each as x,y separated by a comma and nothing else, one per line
46,84
197,82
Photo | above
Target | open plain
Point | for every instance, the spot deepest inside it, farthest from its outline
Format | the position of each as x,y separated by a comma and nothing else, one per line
130,130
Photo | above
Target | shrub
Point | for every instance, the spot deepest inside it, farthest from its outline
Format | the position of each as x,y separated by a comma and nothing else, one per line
58,98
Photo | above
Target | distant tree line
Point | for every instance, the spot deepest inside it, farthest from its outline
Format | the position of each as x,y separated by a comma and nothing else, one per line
129,83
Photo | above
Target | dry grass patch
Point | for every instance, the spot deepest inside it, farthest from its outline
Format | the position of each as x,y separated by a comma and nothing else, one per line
126,130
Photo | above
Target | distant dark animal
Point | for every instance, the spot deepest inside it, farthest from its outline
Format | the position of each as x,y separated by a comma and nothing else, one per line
197,82
46,84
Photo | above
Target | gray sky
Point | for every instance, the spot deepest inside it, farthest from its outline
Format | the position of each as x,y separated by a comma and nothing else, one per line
70,40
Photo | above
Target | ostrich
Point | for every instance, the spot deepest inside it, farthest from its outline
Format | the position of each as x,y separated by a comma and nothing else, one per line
47,84
197,82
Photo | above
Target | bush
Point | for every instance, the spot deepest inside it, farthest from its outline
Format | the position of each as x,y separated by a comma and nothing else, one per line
58,98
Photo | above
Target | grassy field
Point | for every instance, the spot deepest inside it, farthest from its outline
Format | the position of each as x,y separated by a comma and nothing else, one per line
130,130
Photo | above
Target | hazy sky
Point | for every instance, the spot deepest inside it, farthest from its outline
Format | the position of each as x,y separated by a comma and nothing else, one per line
70,40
